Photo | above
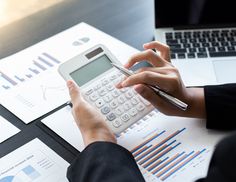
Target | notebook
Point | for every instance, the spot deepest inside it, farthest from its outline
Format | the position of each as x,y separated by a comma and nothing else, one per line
202,38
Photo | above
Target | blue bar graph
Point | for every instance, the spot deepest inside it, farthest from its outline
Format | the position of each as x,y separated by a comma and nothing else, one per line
147,141
174,164
153,154
167,163
45,62
157,164
39,65
156,146
31,172
20,79
28,75
158,157
141,150
5,87
42,63
8,79
182,164
167,150
34,71
50,57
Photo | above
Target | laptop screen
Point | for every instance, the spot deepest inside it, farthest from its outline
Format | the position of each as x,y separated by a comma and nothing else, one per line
169,13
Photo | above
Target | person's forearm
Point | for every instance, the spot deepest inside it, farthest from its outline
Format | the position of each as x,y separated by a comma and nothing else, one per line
196,104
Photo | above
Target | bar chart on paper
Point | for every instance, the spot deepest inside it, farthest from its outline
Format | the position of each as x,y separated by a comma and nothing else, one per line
170,153
155,157
31,86
44,62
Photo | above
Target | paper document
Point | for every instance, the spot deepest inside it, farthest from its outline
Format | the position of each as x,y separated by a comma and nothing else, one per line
7,129
171,148
33,161
165,148
30,85
69,132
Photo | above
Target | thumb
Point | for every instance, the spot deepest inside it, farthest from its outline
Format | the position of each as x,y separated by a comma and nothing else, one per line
74,92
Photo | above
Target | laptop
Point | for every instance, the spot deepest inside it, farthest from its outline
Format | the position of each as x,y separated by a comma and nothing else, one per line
202,38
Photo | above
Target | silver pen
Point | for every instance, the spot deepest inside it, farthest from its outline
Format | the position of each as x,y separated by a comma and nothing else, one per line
176,102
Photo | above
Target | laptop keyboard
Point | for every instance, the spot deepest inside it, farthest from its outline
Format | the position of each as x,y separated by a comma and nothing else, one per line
202,43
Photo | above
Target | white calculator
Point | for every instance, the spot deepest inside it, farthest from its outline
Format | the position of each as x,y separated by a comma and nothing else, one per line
93,72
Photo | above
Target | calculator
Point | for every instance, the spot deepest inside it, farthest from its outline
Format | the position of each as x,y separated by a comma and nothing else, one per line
93,72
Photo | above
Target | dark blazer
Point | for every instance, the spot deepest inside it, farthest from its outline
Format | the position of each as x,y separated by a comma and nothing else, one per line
108,162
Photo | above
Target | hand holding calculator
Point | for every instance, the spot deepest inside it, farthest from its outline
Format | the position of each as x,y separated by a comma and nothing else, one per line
93,72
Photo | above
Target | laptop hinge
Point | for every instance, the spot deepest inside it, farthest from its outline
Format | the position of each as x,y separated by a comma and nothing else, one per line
204,26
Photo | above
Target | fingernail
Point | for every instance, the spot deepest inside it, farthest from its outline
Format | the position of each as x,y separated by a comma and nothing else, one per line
69,83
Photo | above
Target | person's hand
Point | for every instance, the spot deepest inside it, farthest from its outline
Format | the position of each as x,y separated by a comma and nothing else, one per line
167,77
90,121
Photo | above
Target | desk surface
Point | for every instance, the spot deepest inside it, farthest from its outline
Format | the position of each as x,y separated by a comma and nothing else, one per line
130,21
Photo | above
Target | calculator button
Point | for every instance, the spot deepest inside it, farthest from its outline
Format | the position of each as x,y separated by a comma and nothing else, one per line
140,107
110,87
129,94
105,81
93,97
102,91
127,106
125,117
115,93
121,99
119,110
134,101
113,77
114,104
98,86
89,91
107,98
133,112
105,110
117,123
99,103
111,116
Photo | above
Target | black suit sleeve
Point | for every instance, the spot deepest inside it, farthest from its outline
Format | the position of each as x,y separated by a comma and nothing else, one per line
104,162
221,106
222,165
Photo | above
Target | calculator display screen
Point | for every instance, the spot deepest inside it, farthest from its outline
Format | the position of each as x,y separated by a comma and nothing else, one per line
91,70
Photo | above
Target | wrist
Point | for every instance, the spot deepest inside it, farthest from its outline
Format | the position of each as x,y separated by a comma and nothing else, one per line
196,101
97,135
